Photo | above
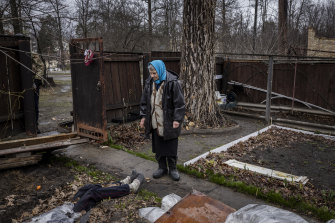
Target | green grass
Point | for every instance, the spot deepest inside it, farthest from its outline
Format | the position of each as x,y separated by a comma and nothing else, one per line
97,175
147,196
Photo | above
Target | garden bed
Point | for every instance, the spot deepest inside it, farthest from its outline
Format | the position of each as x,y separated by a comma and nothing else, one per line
283,150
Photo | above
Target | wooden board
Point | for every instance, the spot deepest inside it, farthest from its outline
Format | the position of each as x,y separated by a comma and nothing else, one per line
36,140
6,163
43,146
197,208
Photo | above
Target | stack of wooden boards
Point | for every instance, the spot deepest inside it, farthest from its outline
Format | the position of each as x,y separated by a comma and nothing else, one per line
23,152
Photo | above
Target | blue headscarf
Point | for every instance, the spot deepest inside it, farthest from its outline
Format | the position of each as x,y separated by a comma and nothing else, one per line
161,70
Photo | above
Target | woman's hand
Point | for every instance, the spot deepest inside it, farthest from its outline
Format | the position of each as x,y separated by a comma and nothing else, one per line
175,124
142,123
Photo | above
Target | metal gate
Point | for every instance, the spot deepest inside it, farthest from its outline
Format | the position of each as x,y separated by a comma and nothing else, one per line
88,89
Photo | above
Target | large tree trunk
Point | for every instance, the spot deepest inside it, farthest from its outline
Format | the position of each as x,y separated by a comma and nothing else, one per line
150,19
255,27
3,8
198,60
57,7
15,15
282,47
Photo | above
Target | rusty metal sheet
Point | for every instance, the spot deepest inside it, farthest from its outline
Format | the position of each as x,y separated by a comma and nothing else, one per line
197,208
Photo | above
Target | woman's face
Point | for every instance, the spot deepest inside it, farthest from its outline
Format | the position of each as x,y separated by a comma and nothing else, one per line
154,75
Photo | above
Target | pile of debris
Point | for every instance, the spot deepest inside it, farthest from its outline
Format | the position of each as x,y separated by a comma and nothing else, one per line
128,135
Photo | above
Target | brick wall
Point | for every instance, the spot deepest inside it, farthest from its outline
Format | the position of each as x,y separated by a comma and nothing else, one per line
321,44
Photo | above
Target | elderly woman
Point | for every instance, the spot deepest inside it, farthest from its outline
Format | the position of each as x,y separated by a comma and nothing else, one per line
162,112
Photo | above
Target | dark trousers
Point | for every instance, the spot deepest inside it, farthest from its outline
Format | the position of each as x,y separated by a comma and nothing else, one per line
167,161
91,194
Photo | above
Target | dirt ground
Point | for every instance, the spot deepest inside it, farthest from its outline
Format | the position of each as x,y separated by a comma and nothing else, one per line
55,104
305,156
19,195
20,199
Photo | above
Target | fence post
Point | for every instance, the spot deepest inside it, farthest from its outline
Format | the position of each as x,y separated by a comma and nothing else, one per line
293,93
269,90
27,85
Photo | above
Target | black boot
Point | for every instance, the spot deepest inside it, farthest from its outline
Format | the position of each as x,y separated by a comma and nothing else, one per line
162,167
172,161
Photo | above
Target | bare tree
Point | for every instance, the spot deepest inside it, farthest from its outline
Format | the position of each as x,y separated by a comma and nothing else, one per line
15,16
28,8
149,19
4,5
168,23
197,62
282,26
84,8
255,27
264,10
224,22
59,11
121,24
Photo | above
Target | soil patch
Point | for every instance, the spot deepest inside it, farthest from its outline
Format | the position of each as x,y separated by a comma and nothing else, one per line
21,199
286,151
19,194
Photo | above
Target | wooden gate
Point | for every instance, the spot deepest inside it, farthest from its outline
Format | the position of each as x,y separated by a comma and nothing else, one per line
88,89
123,85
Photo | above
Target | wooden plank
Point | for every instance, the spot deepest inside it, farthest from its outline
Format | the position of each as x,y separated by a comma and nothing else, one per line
43,146
108,83
6,163
120,105
36,140
15,116
122,59
166,58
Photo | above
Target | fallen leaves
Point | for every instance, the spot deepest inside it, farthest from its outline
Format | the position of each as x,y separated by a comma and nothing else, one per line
128,135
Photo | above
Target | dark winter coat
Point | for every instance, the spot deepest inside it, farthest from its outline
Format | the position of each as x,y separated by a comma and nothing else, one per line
173,105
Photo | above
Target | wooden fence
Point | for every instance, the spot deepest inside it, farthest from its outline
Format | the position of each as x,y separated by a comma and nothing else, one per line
311,82
17,110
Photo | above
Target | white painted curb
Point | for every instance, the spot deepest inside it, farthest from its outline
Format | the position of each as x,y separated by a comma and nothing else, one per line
268,172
